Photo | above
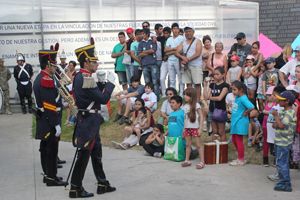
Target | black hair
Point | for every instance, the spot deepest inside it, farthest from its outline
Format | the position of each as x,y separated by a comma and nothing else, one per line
135,78
279,89
143,110
157,26
150,85
73,62
43,66
146,22
253,102
180,30
159,127
257,43
177,98
146,31
211,76
140,100
172,90
121,33
221,70
174,25
167,29
206,37
239,85
138,31
296,94
82,64
261,118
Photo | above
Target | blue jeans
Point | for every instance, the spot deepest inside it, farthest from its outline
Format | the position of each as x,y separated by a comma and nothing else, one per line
173,70
129,72
282,164
72,119
151,75
137,71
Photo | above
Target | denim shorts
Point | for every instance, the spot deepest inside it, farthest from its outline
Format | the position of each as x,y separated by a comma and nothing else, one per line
122,77
210,119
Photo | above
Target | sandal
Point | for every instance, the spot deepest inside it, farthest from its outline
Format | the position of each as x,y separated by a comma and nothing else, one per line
200,165
186,163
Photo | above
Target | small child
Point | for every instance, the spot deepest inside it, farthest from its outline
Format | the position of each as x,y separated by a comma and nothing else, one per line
149,97
260,92
240,111
269,105
285,125
258,135
154,144
234,73
250,76
270,77
253,123
192,127
140,121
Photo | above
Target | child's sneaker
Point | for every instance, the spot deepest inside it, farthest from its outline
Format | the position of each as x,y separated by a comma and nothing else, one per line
249,143
237,162
157,154
186,164
274,177
204,127
146,153
259,147
115,145
266,161
230,140
280,187
123,146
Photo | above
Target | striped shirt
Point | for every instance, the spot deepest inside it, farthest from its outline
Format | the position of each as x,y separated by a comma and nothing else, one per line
285,136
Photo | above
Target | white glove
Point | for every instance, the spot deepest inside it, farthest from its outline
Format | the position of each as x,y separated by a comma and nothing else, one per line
101,76
110,76
58,130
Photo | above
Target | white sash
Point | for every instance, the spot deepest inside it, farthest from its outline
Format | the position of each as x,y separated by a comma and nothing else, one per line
23,69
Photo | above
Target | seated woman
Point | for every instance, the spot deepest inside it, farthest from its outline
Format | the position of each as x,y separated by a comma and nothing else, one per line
166,107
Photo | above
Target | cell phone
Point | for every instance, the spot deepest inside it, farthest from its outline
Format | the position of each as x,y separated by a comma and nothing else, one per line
207,79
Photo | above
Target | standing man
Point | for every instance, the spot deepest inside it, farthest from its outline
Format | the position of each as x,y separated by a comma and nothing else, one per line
5,75
23,73
240,49
120,68
48,121
158,28
63,59
192,60
129,68
146,50
173,61
89,97
134,53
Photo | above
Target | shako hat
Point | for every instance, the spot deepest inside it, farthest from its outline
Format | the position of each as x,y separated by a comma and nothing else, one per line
87,53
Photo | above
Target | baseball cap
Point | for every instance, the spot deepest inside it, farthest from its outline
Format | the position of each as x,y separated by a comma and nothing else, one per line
235,58
286,95
129,30
297,48
1,60
293,88
270,60
189,27
240,35
270,90
250,57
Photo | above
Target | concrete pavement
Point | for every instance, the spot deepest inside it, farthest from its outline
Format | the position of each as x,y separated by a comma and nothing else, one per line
134,175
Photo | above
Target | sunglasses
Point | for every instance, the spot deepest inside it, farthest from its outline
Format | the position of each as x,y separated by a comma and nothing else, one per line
169,94
238,38
145,26
212,81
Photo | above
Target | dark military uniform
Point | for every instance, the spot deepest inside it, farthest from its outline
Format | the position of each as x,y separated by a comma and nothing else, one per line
47,100
23,76
88,97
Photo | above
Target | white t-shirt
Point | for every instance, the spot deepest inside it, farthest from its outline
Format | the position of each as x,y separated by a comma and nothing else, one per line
150,98
251,79
166,107
270,121
230,100
289,68
171,43
187,123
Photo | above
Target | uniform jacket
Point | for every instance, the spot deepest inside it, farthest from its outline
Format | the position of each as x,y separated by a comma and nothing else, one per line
45,95
87,127
23,75
5,75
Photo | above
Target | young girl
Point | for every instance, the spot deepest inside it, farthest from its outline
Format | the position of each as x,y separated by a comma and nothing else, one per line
269,105
154,144
240,121
260,93
250,76
217,94
192,111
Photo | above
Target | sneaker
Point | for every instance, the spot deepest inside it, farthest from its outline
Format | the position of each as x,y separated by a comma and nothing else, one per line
282,188
115,145
128,121
118,117
157,154
123,146
249,143
266,161
274,177
123,120
259,147
146,153
237,162
204,128
227,127
186,164
230,140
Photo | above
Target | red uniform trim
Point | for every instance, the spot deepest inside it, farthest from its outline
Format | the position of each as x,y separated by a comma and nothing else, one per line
86,72
47,81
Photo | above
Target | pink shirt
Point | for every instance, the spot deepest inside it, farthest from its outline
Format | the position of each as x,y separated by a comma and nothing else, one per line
267,108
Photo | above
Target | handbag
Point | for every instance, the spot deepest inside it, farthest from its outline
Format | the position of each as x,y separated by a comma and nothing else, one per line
218,114
126,59
174,149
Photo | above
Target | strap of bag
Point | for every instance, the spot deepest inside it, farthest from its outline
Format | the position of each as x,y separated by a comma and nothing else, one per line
212,60
214,94
119,52
190,46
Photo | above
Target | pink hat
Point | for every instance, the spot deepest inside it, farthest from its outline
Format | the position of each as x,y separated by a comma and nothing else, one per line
270,90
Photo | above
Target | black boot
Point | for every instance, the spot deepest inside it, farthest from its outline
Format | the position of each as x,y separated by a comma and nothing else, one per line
266,161
104,187
59,166
29,103
55,182
59,161
118,117
45,179
123,120
79,192
22,101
